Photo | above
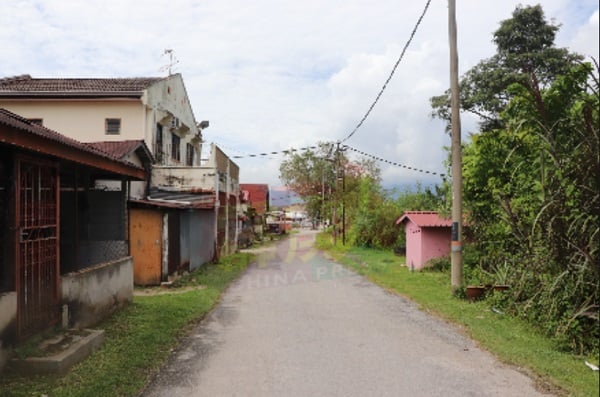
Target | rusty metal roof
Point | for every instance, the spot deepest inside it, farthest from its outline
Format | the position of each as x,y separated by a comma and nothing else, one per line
425,219
25,85
181,200
257,195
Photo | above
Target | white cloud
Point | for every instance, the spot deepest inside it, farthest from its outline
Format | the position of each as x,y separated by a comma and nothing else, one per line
270,75
586,40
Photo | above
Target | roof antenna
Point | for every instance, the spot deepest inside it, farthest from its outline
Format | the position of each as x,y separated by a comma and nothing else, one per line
172,61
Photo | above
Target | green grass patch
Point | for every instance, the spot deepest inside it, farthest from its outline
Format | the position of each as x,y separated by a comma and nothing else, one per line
512,340
138,339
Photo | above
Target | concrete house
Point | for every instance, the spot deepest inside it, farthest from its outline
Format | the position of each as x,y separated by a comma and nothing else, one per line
176,209
63,239
427,236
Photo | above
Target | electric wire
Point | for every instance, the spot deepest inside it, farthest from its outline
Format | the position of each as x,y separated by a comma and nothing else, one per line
394,163
410,39
343,147
285,151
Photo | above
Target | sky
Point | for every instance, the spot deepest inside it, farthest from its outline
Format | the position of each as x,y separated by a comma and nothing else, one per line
272,75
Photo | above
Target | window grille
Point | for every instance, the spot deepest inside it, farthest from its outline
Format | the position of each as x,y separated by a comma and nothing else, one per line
159,143
175,148
113,126
189,155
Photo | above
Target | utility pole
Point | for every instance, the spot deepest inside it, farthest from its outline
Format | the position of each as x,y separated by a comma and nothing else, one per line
456,244
341,174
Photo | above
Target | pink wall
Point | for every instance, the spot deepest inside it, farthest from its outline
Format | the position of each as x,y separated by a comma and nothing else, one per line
413,245
424,244
435,243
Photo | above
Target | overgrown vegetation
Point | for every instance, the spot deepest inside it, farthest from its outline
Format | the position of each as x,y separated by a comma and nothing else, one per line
514,340
138,339
532,177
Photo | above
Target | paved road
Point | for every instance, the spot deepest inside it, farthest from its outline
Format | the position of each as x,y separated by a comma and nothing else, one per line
297,324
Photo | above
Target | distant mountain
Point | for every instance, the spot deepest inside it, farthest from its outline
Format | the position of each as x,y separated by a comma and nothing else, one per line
281,196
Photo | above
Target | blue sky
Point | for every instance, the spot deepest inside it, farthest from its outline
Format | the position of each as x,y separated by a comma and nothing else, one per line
270,75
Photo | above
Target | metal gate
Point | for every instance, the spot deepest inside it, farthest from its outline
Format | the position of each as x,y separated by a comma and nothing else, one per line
37,216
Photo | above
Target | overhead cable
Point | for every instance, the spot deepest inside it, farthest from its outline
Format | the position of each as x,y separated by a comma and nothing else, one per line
410,39
393,162
286,151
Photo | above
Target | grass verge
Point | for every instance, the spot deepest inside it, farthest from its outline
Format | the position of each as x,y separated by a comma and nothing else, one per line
138,339
512,340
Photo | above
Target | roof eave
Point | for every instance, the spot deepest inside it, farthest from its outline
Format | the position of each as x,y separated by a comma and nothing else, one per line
78,95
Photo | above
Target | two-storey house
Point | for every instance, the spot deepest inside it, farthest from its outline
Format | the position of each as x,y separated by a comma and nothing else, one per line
174,214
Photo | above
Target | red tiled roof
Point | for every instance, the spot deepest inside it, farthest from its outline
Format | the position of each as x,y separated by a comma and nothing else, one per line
25,85
425,219
15,121
117,149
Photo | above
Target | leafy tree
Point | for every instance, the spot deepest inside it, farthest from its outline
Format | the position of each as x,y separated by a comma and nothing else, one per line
374,223
525,55
325,179
532,176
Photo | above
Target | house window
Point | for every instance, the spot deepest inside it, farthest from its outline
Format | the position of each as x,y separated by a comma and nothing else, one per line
158,150
36,121
113,126
175,150
189,155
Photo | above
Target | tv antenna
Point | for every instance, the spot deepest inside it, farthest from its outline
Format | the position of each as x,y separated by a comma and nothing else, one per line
172,61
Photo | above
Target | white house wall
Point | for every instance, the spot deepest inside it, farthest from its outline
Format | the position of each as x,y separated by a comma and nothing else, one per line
169,95
182,178
164,100
84,120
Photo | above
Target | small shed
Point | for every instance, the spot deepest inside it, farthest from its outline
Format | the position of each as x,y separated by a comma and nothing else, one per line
427,236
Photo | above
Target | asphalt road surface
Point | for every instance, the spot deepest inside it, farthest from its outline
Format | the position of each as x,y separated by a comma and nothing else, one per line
298,324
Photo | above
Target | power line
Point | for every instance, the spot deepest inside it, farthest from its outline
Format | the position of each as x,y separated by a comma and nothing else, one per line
410,39
393,162
292,150
286,151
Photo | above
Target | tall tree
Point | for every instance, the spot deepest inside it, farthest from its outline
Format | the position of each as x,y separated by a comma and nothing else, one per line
525,55
532,176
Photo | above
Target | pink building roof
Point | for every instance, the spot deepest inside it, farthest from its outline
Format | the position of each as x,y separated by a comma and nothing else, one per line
425,219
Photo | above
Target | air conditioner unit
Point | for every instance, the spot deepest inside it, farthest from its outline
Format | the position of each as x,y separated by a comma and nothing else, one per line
175,123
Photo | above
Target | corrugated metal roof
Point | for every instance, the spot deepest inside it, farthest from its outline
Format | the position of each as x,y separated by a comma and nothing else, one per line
179,200
27,85
425,219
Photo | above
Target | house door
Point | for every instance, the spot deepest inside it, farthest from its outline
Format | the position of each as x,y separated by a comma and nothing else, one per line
37,259
145,245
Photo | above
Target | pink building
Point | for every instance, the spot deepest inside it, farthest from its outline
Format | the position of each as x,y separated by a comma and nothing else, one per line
427,236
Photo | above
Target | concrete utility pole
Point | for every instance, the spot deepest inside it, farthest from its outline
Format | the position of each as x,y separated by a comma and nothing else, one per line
456,244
